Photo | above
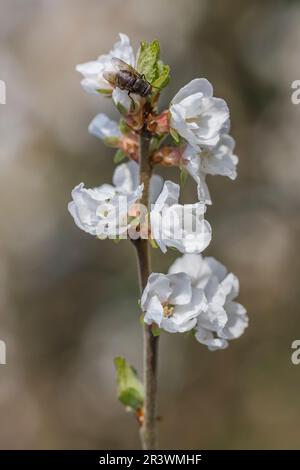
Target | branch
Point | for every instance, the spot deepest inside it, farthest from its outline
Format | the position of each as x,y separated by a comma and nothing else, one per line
149,428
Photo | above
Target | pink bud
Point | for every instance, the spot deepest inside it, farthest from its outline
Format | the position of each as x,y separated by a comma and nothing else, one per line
130,145
167,156
159,124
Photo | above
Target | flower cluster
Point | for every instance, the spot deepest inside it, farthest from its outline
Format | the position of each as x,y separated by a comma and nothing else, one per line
198,294
94,72
192,134
103,211
222,318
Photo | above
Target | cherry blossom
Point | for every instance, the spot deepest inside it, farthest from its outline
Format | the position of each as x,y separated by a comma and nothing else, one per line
224,318
197,116
170,302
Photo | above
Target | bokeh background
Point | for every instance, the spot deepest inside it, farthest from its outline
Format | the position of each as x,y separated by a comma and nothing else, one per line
69,302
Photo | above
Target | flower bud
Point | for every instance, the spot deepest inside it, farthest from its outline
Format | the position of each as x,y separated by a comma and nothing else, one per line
130,145
167,156
159,124
135,119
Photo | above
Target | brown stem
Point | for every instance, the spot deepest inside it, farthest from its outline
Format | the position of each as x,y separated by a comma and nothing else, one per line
149,428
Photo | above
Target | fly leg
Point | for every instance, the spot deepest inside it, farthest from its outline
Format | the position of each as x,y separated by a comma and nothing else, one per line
132,100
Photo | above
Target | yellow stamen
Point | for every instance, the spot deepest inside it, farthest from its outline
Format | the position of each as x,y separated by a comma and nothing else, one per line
168,310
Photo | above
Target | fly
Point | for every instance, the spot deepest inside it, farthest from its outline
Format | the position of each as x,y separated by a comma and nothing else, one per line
127,78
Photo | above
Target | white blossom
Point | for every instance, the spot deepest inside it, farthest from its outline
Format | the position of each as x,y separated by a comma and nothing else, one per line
224,319
126,177
102,211
105,129
93,72
170,302
179,226
197,116
125,103
218,160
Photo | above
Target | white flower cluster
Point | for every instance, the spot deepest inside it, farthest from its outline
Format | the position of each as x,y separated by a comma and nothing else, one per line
106,211
203,121
93,72
103,211
198,294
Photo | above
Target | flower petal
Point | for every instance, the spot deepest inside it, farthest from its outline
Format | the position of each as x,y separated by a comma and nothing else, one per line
126,176
168,196
182,326
159,285
217,269
237,321
89,69
220,159
180,285
122,100
198,85
192,162
84,206
194,266
207,338
104,128
194,308
122,50
156,186
213,318
154,312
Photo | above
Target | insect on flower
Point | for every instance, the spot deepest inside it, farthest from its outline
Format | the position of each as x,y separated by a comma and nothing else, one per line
127,78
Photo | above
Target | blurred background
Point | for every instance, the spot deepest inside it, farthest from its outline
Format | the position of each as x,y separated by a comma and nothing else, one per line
69,302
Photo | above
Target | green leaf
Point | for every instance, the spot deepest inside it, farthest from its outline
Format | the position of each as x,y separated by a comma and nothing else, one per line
164,76
150,65
156,331
190,333
175,135
119,156
153,243
122,110
104,91
111,141
183,177
148,57
130,388
156,142
124,128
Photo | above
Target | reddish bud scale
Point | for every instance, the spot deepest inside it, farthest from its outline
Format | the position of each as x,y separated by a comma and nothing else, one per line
135,120
130,146
159,124
167,156
140,416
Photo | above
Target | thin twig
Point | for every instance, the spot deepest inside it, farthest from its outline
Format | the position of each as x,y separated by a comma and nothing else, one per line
149,429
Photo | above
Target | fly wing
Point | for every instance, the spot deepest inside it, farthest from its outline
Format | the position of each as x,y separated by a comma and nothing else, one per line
120,65
110,77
